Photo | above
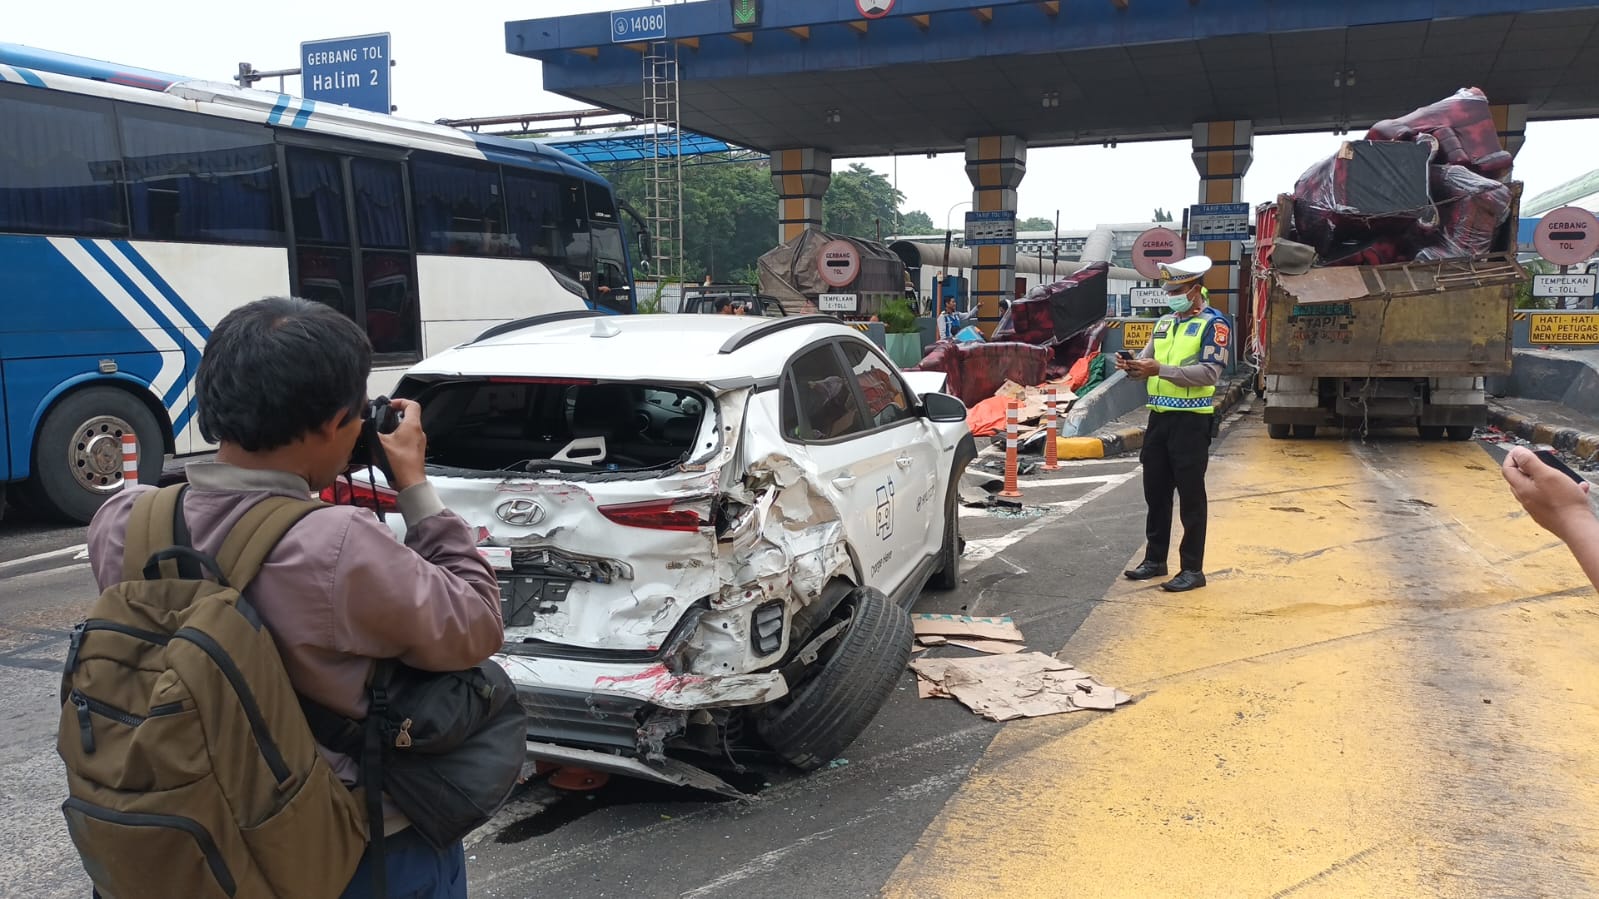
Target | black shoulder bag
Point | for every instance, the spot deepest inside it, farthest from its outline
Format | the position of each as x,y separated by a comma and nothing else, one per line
446,747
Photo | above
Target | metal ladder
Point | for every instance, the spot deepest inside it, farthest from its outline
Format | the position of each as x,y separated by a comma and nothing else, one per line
665,163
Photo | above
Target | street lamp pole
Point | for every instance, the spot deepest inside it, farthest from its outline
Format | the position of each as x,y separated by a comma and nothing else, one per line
948,232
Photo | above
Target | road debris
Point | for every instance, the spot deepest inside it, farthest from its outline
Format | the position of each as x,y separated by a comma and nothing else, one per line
966,626
1007,687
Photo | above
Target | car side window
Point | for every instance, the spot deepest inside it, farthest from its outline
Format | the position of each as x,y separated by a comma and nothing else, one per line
819,399
885,397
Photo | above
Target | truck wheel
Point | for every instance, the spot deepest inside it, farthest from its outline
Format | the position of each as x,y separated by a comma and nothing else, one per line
1431,432
1305,432
948,576
77,461
1277,432
1460,432
845,687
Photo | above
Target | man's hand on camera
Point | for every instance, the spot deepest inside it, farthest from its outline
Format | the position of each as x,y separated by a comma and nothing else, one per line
407,446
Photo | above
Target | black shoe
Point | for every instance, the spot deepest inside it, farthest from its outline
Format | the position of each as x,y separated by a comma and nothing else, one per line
1146,570
1184,581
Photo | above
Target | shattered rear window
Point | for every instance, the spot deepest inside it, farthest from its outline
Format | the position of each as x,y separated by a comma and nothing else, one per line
541,424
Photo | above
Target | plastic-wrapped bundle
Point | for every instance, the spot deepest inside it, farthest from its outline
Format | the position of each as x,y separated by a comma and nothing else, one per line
1056,312
1366,190
1462,125
1473,207
976,371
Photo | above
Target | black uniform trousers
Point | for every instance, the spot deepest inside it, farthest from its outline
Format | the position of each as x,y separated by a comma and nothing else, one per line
1175,455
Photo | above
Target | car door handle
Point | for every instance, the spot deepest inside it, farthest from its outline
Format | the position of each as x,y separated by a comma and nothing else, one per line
842,482
904,461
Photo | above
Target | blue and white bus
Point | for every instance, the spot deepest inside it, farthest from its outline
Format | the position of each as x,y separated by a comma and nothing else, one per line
137,208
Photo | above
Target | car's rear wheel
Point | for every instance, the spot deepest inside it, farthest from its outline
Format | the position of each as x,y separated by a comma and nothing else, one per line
948,576
847,685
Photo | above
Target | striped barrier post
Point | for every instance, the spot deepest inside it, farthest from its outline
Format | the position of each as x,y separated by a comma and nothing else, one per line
130,459
1013,424
1051,430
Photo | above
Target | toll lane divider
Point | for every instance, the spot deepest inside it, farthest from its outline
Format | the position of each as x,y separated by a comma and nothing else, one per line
1583,445
1115,441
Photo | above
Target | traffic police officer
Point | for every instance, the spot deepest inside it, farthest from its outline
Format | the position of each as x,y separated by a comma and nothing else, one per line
1182,363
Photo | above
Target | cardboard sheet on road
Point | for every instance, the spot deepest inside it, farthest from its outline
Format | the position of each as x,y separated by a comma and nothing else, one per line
1007,687
966,626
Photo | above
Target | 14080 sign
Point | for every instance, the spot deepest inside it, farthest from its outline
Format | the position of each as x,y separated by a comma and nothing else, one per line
631,25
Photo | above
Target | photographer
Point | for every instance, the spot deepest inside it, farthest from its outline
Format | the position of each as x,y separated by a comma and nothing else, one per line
282,389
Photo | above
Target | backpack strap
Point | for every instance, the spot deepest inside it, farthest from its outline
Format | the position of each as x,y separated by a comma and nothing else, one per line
150,530
256,533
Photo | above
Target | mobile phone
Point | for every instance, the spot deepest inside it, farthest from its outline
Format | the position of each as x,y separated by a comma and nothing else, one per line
1124,354
1552,459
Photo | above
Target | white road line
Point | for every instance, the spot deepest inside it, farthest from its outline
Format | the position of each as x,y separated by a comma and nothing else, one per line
73,551
1066,482
982,550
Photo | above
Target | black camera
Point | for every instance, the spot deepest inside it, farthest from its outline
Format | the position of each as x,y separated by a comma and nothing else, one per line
377,417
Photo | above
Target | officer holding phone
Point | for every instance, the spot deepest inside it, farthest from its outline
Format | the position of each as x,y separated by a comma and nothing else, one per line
1182,363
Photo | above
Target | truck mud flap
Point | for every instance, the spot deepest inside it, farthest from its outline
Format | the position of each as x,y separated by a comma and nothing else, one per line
666,771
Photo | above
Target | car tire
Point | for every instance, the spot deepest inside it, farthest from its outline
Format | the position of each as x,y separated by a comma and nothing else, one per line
1278,432
847,685
77,462
948,576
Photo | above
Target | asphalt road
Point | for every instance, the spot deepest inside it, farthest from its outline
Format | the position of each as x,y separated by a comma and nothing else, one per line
846,827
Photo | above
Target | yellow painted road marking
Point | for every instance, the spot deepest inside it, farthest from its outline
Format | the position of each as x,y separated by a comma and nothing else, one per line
1390,688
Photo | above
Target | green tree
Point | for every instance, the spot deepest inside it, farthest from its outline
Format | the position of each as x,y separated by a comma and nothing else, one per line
1162,215
860,200
729,215
916,222
1036,223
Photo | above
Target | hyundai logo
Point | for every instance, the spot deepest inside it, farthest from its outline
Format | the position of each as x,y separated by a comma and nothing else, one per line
520,512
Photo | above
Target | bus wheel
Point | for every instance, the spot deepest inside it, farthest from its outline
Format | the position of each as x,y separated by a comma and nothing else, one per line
77,460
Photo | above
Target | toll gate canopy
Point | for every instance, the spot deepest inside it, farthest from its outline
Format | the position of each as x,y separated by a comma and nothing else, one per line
928,74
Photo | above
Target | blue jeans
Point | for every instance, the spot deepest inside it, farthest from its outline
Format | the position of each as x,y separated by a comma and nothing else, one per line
415,869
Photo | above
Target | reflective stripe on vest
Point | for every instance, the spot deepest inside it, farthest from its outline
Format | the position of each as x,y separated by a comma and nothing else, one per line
1178,342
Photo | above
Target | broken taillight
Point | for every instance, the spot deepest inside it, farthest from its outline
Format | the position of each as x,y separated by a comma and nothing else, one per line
368,496
686,514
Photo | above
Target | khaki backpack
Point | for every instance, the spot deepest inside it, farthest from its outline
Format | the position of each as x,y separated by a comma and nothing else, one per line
191,768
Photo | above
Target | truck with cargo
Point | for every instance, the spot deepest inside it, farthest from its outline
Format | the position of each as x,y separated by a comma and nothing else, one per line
1404,344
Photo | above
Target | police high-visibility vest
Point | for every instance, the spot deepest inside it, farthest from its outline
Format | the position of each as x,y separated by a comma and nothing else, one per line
1178,342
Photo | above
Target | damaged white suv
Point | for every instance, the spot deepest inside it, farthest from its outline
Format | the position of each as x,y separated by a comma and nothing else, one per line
708,529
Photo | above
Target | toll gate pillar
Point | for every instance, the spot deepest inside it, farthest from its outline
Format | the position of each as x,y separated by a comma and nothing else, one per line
801,177
1511,121
995,166
1222,153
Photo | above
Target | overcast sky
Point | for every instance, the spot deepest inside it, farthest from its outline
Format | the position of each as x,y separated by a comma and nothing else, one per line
453,64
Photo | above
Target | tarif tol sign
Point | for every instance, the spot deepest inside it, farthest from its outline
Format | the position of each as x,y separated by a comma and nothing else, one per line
348,71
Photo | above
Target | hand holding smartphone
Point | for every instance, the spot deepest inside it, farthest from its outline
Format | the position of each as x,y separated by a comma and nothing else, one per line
1550,458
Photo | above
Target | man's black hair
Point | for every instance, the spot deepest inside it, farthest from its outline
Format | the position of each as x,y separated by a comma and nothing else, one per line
276,369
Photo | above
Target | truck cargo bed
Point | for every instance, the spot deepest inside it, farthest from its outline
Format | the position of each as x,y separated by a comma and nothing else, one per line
1410,319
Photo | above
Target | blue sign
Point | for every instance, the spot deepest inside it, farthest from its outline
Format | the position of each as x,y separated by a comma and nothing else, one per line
1218,221
348,71
990,229
634,25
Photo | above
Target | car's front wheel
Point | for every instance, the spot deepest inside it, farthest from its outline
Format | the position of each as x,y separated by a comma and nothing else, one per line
845,686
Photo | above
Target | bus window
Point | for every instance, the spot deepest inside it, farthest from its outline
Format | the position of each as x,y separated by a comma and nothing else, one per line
58,165
459,211
612,286
200,180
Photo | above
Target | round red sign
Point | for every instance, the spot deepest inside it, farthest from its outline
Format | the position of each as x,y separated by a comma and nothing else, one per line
839,263
1154,248
874,9
1567,236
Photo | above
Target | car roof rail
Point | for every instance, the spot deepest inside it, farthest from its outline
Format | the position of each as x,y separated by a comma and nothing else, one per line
751,334
533,321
